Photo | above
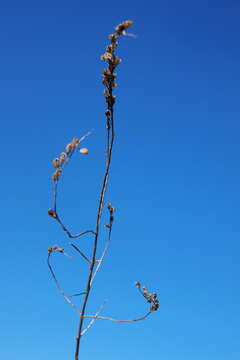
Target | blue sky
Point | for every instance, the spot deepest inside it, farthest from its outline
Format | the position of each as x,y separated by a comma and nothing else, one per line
175,176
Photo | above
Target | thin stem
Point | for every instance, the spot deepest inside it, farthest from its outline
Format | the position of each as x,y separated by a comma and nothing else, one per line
99,213
59,286
80,252
68,232
118,320
103,254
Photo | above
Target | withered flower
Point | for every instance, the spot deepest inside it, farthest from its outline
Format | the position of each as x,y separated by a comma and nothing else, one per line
63,156
75,142
117,61
69,148
52,248
108,114
154,307
113,38
56,175
120,29
137,284
56,162
107,56
52,213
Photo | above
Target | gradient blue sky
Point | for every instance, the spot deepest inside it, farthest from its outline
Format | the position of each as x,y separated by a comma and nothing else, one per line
175,176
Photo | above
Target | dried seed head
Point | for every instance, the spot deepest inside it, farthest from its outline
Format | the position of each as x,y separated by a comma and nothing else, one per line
56,175
52,213
63,156
56,162
75,142
117,61
83,151
128,23
52,248
113,38
107,56
108,114
120,29
154,307
69,148
137,284
110,48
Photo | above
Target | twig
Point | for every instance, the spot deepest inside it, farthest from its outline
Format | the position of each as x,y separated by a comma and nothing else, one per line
59,286
68,232
102,256
80,252
117,320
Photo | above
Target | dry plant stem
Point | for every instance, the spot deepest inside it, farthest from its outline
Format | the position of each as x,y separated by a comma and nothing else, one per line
118,320
68,232
99,214
103,255
112,63
59,286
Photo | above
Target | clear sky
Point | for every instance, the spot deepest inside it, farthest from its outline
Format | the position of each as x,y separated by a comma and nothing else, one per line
174,181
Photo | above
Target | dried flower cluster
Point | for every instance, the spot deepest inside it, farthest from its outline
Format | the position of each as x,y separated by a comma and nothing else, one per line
59,163
151,298
55,248
109,76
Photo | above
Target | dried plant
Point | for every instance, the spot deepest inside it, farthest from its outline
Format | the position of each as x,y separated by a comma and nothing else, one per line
59,164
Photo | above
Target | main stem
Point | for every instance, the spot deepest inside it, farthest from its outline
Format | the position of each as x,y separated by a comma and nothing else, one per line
98,220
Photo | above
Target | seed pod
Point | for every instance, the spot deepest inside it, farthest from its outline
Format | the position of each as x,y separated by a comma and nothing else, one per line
56,175
75,142
56,162
137,284
83,151
52,213
108,114
63,156
69,148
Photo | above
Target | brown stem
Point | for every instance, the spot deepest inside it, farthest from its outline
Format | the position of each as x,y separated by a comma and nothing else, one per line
99,213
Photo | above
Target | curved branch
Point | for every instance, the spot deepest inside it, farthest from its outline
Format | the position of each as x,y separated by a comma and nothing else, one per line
59,286
118,320
68,232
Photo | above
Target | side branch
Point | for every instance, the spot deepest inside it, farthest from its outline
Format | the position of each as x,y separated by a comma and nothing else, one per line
50,250
118,320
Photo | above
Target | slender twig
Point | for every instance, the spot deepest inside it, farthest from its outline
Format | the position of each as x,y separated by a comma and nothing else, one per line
80,252
68,232
99,214
118,320
59,286
103,255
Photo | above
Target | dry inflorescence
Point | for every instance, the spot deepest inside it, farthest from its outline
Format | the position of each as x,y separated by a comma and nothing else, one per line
59,164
